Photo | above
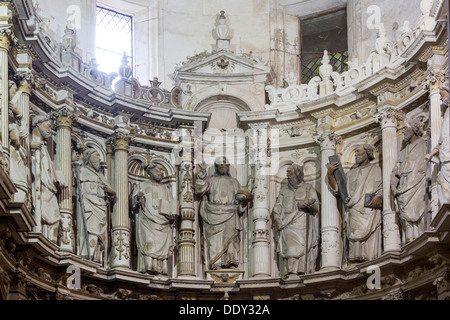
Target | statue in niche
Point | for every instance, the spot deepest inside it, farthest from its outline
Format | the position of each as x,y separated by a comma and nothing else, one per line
94,196
19,167
156,211
296,218
14,96
46,181
223,203
362,215
408,184
442,150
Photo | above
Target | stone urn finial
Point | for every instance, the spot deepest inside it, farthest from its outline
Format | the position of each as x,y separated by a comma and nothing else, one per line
69,38
125,70
223,32
222,28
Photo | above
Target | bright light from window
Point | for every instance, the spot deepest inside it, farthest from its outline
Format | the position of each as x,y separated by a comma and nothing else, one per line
114,37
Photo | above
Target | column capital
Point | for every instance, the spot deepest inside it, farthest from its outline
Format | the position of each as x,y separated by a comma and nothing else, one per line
26,80
434,80
437,74
388,116
327,140
7,37
63,117
120,140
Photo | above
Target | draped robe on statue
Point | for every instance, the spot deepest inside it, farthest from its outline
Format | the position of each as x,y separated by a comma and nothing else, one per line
363,224
411,190
96,214
221,219
154,236
45,201
443,178
292,237
19,170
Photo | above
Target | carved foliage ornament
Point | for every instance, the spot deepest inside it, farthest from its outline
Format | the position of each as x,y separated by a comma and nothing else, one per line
223,65
63,117
389,116
7,38
120,140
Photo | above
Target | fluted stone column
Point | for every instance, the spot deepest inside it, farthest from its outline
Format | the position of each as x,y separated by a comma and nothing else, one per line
186,235
120,229
261,214
389,117
63,162
5,45
330,225
435,79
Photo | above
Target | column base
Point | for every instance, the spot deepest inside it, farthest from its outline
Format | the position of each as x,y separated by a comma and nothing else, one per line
329,269
120,249
261,276
391,232
67,235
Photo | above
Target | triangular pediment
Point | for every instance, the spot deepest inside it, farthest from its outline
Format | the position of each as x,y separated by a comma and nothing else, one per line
222,63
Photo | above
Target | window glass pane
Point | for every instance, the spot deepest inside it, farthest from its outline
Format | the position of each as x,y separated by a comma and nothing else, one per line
114,38
324,32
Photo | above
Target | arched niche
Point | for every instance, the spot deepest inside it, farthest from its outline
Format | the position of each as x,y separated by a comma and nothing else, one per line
223,109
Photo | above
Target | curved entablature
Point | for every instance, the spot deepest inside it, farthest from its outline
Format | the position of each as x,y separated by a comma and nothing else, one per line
116,184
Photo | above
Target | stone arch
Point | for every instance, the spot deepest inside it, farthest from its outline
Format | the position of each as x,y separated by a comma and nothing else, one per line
245,99
137,161
348,155
223,109
82,142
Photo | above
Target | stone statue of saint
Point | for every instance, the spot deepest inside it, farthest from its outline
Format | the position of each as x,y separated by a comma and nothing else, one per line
46,181
442,150
156,211
296,217
408,184
19,168
362,215
223,203
96,194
